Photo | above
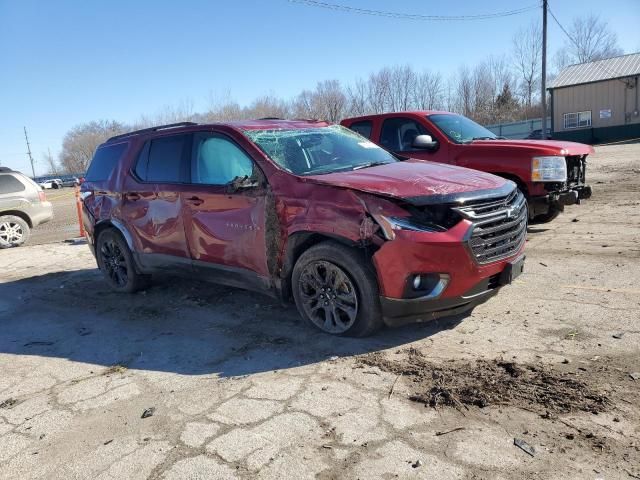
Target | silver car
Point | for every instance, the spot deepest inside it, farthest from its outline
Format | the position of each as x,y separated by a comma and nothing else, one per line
23,205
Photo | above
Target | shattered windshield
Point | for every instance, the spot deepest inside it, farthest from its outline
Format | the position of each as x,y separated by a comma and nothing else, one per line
460,129
314,151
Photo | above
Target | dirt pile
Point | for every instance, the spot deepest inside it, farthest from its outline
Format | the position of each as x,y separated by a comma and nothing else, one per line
492,382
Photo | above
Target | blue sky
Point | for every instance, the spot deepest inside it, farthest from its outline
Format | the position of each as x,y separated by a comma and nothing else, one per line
64,62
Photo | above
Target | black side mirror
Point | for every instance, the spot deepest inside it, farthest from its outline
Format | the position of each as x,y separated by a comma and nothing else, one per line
424,142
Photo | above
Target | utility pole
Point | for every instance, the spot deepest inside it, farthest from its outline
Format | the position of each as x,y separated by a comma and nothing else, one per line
544,70
33,170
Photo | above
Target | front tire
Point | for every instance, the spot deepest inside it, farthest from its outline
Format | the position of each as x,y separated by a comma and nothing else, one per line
335,289
546,217
116,263
14,231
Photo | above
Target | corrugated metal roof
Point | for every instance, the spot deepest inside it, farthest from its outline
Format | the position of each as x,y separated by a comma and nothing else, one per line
616,67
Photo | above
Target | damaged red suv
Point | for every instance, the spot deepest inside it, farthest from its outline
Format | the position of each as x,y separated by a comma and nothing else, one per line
356,236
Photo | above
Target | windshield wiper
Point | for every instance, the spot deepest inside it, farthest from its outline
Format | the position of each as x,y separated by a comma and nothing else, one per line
367,165
483,138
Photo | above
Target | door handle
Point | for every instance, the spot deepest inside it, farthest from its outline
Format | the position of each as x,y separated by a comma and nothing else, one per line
195,201
132,196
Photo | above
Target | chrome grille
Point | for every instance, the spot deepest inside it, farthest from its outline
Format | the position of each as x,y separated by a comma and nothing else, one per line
499,226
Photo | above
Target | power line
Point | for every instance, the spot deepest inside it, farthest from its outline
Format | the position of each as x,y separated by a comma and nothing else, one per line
412,16
577,45
562,28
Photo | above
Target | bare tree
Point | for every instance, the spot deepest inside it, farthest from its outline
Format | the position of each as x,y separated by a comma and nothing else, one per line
182,111
464,92
592,40
357,98
428,91
561,60
483,93
305,105
267,106
501,73
80,143
53,168
222,108
379,90
402,85
527,54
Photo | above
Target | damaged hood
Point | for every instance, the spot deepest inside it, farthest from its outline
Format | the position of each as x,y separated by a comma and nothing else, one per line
418,182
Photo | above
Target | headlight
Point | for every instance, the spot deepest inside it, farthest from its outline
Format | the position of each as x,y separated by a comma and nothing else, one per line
548,169
390,224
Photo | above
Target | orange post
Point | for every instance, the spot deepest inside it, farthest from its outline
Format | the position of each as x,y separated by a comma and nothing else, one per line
79,209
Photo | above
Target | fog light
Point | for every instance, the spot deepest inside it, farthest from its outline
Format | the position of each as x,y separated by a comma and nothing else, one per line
417,282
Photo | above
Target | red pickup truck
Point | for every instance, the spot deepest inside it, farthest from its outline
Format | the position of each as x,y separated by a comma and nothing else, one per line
551,174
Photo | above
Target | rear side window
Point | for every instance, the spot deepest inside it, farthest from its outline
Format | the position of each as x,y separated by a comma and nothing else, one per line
104,161
10,184
161,160
363,128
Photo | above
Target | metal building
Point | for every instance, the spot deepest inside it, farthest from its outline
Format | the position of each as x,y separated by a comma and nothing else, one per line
597,101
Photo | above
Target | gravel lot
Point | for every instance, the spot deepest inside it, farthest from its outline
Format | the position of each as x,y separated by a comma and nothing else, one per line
240,388
65,219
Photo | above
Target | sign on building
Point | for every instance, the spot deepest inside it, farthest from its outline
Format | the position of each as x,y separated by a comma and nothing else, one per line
606,113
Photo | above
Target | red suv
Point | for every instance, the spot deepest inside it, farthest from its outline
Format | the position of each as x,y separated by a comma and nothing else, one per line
357,236
550,174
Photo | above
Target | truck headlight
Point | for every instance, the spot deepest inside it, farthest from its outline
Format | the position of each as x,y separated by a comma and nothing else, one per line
548,169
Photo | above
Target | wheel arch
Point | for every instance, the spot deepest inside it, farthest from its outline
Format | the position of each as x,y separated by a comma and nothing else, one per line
118,226
20,214
299,242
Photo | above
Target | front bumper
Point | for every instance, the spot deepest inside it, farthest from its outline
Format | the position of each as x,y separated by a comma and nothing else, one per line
470,283
540,205
397,312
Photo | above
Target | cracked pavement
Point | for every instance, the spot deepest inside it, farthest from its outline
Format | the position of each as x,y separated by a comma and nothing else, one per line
243,389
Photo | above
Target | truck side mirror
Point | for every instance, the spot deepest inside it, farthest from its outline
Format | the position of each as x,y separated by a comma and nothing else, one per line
425,142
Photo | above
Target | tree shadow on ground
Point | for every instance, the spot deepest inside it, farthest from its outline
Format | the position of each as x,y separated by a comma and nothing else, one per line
177,325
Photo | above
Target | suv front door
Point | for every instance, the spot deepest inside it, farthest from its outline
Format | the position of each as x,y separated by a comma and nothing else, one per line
224,216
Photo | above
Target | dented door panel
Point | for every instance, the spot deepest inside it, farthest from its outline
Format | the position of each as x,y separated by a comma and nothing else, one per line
226,229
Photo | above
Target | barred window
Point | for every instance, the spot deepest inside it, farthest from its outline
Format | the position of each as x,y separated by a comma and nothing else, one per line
577,120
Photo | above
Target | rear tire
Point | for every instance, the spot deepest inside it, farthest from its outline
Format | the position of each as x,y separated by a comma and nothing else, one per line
116,263
14,231
336,290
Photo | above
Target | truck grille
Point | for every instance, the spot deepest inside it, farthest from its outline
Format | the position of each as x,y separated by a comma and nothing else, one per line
499,226
576,169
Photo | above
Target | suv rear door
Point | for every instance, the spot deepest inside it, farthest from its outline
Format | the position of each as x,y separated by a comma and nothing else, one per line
152,206
225,226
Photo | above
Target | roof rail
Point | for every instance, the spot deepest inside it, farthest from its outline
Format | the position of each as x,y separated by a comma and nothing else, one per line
5,170
270,118
152,129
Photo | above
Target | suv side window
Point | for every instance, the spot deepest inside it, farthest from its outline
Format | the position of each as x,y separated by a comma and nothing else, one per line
104,161
216,160
398,133
10,184
161,160
363,128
